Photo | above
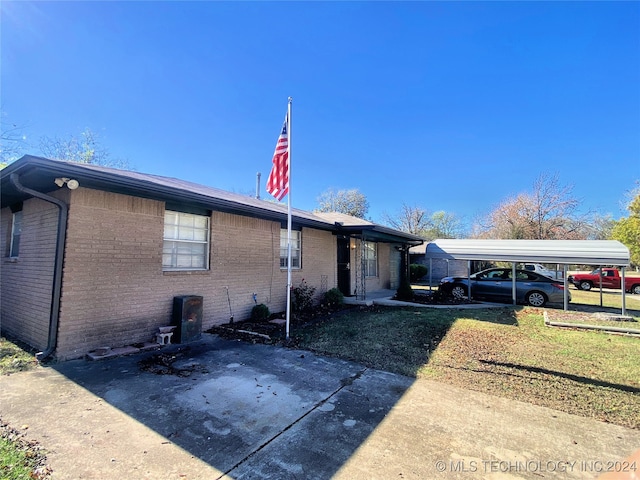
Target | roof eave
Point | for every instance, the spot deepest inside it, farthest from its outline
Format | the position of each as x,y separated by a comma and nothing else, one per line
129,186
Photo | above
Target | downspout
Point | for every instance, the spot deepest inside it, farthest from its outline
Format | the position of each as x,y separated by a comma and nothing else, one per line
63,210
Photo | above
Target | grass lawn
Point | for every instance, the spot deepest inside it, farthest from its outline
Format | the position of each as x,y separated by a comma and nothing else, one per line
19,459
507,352
611,301
14,358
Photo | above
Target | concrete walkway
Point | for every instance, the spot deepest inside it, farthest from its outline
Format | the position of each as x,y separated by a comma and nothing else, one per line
228,409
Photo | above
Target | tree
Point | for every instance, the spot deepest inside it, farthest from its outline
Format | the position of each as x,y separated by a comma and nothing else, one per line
444,225
413,220
547,213
418,221
601,227
627,230
13,141
86,148
351,202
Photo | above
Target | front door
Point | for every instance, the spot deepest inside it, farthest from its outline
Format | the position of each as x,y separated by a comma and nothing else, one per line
344,266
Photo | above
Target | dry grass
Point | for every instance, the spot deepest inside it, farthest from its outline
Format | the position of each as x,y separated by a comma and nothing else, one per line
507,352
611,301
15,358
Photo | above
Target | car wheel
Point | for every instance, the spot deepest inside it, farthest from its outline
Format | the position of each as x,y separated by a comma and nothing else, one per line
536,299
458,292
636,289
585,285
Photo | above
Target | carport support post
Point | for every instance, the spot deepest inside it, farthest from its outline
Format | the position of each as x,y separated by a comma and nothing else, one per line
513,282
623,288
600,270
469,281
566,288
430,272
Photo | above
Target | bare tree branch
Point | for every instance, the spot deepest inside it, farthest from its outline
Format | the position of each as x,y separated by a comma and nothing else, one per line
548,212
350,202
86,148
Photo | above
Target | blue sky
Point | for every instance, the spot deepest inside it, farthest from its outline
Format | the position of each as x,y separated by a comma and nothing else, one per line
449,106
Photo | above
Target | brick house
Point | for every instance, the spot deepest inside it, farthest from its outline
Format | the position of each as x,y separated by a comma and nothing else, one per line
94,256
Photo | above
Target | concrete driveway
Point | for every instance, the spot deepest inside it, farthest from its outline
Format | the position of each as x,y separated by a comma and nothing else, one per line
227,409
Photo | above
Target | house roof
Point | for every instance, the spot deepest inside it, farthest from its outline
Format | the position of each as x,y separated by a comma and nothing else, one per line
39,173
350,225
581,252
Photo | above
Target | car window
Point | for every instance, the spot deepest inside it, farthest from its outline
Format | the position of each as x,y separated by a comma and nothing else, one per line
520,275
497,274
529,267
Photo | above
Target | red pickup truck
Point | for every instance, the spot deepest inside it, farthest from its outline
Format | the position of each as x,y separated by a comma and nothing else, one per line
610,279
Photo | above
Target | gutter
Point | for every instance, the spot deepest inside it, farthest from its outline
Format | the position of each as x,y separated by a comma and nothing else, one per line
63,210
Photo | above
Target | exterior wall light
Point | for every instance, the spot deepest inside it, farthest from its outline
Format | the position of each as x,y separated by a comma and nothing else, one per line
71,183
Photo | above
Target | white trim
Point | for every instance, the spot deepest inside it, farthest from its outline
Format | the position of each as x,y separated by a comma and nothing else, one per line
16,218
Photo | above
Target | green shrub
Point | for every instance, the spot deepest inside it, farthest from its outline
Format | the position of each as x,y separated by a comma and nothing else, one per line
260,312
333,298
302,297
417,271
405,292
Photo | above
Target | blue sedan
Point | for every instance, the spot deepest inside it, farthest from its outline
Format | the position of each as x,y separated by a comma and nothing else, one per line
497,284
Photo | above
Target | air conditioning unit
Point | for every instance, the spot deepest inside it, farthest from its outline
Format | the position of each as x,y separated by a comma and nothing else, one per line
187,317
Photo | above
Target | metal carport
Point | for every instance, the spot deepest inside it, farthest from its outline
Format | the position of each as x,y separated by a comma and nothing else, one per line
562,252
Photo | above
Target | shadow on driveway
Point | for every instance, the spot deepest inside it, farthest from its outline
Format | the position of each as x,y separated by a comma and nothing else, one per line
227,409
247,409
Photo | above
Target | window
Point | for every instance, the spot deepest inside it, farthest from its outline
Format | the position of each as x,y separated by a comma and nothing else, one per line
16,231
370,259
296,247
186,241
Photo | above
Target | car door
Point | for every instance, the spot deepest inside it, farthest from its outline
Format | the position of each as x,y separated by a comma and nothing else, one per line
528,281
609,279
491,285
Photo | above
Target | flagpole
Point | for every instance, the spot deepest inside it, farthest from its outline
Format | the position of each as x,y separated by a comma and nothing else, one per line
289,285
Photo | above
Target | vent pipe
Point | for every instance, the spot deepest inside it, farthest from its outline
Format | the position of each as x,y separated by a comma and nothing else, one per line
258,185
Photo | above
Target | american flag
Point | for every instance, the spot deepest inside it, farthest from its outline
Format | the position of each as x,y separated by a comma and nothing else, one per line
278,181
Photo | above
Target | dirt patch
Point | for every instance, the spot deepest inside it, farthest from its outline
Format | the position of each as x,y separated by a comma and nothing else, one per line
273,330
435,297
163,364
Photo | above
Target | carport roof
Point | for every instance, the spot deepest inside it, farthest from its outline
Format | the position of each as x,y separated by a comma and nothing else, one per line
568,252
